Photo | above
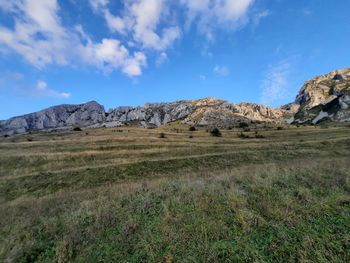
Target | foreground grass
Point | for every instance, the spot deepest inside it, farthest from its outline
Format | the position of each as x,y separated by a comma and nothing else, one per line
244,201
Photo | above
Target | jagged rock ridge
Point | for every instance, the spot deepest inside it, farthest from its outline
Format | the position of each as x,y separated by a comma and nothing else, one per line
326,97
57,117
202,112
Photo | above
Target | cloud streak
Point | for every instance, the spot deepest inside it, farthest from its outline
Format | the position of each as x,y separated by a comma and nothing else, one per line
274,87
42,90
221,71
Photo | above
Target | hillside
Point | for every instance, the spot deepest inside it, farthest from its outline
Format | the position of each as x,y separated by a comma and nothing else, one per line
130,195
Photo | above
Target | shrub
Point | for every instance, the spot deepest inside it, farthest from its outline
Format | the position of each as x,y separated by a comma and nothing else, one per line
191,136
29,139
215,132
6,136
280,128
259,136
243,125
246,129
77,129
192,128
242,135
162,135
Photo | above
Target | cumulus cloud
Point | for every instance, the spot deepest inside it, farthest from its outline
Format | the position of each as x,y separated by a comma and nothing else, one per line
40,37
275,84
142,19
42,90
212,13
222,71
138,28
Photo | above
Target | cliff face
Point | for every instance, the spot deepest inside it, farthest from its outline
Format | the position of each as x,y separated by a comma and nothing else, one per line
150,115
57,117
224,114
204,112
326,97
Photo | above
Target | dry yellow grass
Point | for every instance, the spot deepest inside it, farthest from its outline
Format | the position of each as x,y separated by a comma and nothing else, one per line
127,195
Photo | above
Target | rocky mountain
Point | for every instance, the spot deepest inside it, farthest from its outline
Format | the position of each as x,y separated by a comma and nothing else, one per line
223,114
324,98
202,112
57,117
150,115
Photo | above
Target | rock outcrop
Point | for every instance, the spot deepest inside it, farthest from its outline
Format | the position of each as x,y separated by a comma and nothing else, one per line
57,117
223,114
202,112
150,115
324,98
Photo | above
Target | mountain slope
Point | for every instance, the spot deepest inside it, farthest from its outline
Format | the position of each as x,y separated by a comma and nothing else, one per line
325,97
56,117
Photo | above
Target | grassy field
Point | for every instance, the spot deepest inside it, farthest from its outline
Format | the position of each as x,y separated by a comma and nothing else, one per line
128,195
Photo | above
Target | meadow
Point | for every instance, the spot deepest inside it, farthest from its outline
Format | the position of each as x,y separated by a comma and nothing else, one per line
174,195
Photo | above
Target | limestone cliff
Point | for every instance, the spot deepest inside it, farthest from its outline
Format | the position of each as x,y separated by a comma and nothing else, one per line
57,117
325,98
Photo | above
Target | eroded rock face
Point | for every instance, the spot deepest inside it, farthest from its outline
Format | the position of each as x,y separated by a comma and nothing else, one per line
326,97
203,112
224,114
57,117
151,114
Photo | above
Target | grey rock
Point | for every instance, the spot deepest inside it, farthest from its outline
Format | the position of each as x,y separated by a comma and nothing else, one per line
325,98
57,117
151,114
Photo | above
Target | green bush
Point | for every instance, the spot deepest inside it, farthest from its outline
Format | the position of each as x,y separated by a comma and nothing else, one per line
215,132
243,125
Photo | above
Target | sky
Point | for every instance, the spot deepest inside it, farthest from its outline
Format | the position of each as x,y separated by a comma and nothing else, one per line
129,52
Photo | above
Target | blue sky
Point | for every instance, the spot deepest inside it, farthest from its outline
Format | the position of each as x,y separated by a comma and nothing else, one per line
129,52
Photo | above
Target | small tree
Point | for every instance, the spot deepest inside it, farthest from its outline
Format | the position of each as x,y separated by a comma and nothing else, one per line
77,129
215,132
162,135
192,128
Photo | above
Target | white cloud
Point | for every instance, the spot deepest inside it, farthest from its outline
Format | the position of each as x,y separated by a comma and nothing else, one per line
202,77
42,90
41,85
259,16
212,13
275,84
41,39
307,12
140,27
142,19
222,71
163,57
97,4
